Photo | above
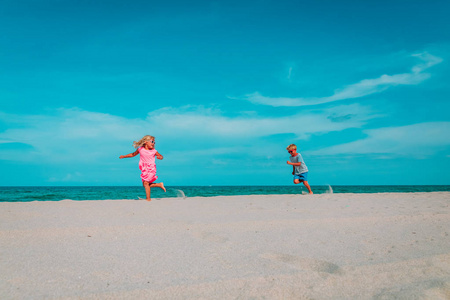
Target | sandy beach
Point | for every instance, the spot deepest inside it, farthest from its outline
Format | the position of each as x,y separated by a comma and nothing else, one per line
327,246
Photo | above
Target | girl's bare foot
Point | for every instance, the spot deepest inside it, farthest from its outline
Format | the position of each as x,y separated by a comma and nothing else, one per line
162,186
148,200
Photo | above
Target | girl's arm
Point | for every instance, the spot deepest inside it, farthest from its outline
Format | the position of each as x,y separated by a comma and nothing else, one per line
130,155
159,156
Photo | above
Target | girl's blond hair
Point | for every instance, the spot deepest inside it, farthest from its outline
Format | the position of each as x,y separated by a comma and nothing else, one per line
142,141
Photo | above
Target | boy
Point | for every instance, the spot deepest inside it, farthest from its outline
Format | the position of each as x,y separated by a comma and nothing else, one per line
299,169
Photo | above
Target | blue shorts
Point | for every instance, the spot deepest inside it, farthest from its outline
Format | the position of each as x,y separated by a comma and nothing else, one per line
302,176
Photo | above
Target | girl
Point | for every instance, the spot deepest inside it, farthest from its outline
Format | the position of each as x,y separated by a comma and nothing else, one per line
146,148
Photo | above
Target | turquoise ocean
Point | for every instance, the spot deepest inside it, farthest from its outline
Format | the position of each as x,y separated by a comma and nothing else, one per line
57,193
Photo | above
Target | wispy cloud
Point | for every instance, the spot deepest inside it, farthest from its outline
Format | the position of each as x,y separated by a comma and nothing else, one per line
360,89
416,141
63,134
289,73
206,123
81,135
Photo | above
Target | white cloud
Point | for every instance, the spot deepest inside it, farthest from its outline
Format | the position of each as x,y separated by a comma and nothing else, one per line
64,135
77,176
360,89
64,124
77,135
206,123
289,73
418,141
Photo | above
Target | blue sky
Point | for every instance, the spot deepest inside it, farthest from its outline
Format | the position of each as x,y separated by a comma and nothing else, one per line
362,88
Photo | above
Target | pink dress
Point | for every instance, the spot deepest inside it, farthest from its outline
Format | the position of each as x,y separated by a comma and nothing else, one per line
147,164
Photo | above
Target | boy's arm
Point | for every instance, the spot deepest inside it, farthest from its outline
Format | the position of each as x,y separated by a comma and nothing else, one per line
130,155
159,156
294,164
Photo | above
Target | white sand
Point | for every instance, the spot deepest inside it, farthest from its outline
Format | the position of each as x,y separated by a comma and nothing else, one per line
329,246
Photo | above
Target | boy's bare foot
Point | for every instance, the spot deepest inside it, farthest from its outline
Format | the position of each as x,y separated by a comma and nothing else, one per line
148,200
162,186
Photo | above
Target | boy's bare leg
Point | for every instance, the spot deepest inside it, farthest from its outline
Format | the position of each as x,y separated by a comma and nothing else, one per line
305,183
147,190
160,185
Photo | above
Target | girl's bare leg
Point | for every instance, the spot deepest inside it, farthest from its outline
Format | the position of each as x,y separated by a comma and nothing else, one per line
147,190
148,187
160,185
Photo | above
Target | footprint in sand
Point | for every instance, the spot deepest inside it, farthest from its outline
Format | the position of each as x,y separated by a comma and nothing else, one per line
306,264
